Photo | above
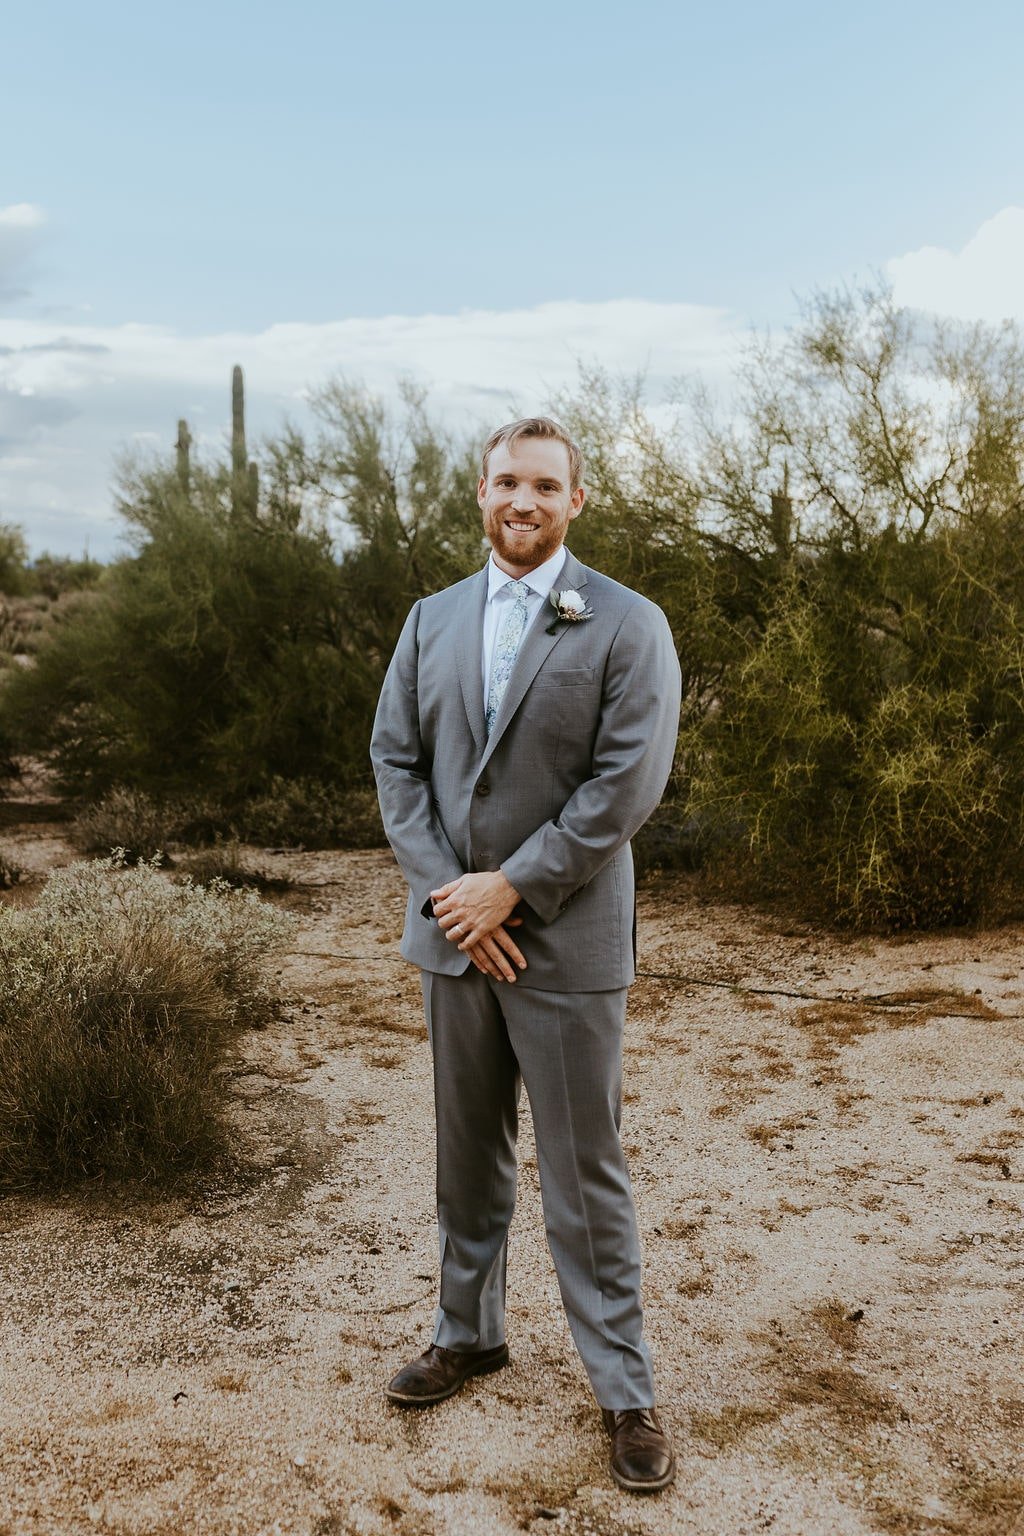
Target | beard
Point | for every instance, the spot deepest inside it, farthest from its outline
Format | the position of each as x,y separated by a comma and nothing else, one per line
524,551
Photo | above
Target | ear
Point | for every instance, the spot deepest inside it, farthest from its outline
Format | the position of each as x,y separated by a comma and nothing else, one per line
481,487
576,501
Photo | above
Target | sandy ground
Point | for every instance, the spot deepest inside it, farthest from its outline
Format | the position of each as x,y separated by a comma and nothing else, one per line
825,1139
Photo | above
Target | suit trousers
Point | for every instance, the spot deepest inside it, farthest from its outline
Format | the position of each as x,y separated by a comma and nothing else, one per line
487,1038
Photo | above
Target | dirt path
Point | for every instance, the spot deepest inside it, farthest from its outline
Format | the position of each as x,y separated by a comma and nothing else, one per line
829,1193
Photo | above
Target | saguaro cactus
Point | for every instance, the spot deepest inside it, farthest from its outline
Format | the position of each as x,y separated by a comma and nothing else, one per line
183,446
782,515
239,459
245,475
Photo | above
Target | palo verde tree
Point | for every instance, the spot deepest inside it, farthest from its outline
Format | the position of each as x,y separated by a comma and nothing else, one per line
870,733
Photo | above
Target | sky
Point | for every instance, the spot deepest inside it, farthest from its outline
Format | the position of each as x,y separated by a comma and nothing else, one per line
483,198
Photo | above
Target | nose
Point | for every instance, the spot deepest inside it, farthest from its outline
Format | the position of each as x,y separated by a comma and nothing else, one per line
523,500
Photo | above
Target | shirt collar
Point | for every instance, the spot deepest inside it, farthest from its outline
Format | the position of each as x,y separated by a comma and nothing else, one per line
540,581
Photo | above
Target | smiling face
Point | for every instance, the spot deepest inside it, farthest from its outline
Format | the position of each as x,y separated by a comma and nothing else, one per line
526,502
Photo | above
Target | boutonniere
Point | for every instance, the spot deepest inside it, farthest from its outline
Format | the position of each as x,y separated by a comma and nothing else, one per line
569,609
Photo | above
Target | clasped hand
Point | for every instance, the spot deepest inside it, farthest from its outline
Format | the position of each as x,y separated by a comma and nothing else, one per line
474,912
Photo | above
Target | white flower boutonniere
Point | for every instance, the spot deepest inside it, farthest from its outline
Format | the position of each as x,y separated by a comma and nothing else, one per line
569,608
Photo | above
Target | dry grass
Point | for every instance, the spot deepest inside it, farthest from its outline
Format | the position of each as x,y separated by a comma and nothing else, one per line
917,1005
552,1489
768,1135
114,1411
992,1505
832,1025
843,1394
118,998
756,1002
731,1425
680,1230
839,1323
225,861
697,1285
775,1064
360,1009
985,1159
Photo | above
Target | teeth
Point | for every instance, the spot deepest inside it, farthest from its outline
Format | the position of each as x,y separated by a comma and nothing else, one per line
523,527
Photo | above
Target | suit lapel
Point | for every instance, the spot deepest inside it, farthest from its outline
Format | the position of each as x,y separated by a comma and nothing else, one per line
535,649
469,644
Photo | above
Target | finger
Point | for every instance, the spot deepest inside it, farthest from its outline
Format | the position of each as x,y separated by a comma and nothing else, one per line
483,963
498,958
510,947
444,890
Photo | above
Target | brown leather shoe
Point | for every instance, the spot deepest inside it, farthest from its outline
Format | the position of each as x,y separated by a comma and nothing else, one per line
642,1459
440,1372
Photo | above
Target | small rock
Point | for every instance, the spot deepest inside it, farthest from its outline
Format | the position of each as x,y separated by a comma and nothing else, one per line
853,1314
298,1461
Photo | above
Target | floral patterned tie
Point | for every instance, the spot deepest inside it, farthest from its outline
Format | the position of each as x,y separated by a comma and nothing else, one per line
506,647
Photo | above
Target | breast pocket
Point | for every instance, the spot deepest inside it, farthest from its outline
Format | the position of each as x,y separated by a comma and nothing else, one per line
564,677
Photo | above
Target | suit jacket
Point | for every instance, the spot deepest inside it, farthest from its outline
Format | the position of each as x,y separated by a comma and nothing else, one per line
578,759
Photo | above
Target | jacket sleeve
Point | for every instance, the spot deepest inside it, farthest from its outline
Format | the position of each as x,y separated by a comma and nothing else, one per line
402,771
632,758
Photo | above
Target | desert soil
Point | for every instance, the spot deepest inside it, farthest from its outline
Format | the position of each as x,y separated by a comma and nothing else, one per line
826,1144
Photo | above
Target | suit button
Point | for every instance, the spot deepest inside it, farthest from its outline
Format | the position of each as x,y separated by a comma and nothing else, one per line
483,788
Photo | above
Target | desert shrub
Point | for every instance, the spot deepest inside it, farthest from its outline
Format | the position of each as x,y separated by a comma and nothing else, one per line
25,623
207,663
293,812
142,825
932,833
239,648
11,874
894,812
316,815
119,995
55,575
641,525
13,559
13,629
866,746
225,861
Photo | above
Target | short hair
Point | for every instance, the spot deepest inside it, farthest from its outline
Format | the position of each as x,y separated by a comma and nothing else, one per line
538,426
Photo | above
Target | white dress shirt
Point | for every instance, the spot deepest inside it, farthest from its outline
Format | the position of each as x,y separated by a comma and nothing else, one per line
539,582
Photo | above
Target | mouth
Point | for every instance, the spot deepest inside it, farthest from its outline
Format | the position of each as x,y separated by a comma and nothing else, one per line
522,527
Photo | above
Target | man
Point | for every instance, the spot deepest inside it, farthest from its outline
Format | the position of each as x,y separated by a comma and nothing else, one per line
525,731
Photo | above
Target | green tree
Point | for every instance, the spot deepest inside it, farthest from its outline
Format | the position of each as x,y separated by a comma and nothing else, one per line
229,654
870,735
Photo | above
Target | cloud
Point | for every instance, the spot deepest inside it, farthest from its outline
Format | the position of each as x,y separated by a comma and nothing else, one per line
980,282
94,390
27,417
21,227
62,344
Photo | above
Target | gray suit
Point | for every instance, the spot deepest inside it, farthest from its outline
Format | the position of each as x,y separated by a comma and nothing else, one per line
577,760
